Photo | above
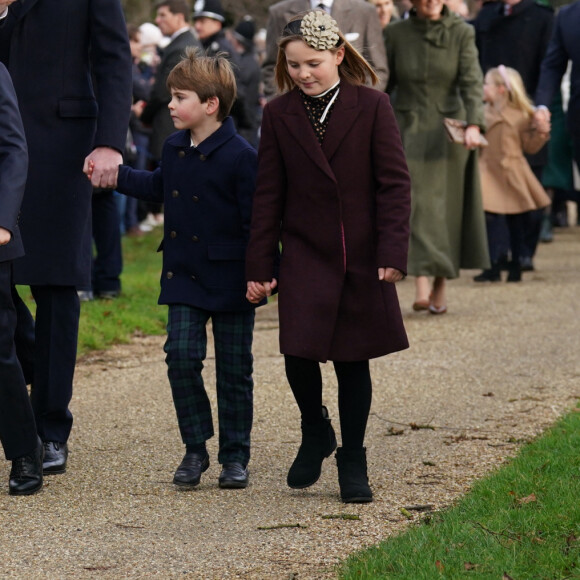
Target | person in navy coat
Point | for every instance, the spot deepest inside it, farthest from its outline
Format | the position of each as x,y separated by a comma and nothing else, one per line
206,181
17,427
71,66
564,46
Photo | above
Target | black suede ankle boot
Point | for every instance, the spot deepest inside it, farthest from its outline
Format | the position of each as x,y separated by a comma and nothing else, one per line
318,442
352,475
491,275
514,272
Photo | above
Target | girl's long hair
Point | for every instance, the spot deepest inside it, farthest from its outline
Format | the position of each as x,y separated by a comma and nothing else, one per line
354,69
515,89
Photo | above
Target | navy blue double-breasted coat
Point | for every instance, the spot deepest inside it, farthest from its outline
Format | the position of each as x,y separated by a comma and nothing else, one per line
71,67
207,191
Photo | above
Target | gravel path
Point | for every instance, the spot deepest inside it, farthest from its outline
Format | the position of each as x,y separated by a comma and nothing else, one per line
499,368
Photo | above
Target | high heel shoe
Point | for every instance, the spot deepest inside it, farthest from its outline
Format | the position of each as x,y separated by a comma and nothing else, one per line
437,309
420,305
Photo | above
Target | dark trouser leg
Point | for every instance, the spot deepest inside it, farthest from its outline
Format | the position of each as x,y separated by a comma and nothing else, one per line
305,380
497,236
517,231
354,401
233,333
17,427
24,337
57,325
108,263
186,348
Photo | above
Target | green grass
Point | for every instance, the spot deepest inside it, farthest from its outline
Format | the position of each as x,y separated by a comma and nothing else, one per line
522,521
107,322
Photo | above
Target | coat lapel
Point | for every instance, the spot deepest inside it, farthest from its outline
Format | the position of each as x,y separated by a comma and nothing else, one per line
342,118
298,125
22,7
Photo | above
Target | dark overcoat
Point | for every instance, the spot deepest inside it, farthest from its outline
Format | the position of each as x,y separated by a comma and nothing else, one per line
54,46
341,211
207,191
13,166
564,46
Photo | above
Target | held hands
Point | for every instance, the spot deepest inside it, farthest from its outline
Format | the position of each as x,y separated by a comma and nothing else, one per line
102,167
471,137
542,120
259,290
390,275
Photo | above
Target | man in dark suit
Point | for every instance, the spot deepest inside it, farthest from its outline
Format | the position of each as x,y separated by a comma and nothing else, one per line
172,19
564,46
357,20
71,66
17,427
516,33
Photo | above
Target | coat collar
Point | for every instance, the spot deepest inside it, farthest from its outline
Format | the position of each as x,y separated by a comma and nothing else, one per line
182,139
21,8
508,115
343,116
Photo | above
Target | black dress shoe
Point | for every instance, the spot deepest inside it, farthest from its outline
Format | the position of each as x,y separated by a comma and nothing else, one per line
189,472
55,456
234,476
26,473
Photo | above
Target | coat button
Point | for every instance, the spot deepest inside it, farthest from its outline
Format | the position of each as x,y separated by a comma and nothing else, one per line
181,154
202,157
195,198
195,239
173,234
175,193
193,277
169,275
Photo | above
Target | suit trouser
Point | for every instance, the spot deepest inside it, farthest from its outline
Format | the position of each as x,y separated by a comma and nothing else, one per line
186,349
17,427
47,351
108,263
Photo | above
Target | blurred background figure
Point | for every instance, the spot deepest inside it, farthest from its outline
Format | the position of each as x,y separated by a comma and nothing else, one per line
249,76
447,219
386,11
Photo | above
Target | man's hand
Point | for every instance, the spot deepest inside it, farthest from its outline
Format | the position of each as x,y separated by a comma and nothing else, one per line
102,167
259,290
5,236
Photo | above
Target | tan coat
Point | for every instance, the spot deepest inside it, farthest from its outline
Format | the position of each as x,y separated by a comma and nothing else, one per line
508,184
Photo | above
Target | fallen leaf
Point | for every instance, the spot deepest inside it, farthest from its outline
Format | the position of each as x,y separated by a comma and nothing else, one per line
439,566
469,565
490,394
506,577
407,513
392,431
528,499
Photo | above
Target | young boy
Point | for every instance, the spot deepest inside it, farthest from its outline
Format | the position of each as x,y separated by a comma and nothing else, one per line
206,182
17,426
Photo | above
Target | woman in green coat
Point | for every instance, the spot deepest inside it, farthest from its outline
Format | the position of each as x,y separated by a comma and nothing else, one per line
435,74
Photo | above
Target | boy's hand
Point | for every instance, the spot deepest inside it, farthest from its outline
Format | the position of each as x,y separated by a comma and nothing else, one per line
105,167
5,236
259,290
390,275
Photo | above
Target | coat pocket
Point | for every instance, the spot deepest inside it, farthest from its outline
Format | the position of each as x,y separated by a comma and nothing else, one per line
80,108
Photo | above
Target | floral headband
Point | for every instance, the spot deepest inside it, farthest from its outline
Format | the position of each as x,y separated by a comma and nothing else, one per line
318,29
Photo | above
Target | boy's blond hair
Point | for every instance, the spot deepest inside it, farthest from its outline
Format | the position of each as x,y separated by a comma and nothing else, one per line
207,76
354,69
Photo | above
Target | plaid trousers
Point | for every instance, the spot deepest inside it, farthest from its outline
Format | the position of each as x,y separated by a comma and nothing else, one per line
186,349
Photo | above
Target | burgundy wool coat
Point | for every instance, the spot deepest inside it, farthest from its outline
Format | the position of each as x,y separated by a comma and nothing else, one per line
340,211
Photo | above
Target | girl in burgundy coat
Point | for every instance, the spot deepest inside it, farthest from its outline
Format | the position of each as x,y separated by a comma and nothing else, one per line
333,188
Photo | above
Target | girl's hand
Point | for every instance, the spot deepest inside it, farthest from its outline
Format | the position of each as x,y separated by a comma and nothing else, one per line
390,275
257,291
471,137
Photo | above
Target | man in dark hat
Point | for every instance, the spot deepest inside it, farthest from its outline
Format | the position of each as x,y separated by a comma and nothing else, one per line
249,75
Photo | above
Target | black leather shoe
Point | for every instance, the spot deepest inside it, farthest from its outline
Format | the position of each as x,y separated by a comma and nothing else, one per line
26,473
234,476
189,472
55,456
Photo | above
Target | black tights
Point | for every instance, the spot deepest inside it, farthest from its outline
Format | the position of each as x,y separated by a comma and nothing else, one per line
354,395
